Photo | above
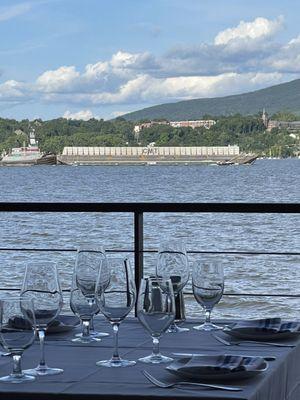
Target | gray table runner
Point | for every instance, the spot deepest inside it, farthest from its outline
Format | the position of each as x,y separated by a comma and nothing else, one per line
83,380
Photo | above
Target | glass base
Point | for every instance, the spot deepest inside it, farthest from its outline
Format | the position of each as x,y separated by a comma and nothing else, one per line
43,371
208,326
85,339
97,334
156,359
115,363
176,329
2,354
17,378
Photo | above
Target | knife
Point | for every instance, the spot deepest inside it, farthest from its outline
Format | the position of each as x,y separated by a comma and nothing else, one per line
266,358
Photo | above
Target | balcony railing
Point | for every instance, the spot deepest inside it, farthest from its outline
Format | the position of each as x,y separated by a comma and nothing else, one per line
139,209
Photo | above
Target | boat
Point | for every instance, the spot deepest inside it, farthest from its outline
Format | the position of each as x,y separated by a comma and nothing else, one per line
28,155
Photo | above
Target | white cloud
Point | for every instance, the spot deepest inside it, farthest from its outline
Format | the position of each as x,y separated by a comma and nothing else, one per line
15,10
84,115
12,90
242,58
257,29
57,80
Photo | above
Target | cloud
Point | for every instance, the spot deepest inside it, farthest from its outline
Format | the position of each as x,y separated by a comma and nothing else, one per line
257,29
58,80
240,58
12,90
84,115
15,10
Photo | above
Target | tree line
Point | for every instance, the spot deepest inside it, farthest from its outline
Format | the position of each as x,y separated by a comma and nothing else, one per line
248,132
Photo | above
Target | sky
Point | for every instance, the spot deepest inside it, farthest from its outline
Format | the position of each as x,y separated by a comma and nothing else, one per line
102,58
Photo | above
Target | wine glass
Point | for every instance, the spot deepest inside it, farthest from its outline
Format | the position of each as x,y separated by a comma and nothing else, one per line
116,300
16,340
42,285
172,263
85,307
208,287
89,259
156,312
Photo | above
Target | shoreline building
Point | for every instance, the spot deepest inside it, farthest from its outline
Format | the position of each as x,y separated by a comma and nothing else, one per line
271,124
199,123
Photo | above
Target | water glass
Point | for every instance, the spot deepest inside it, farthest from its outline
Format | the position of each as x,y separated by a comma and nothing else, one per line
156,312
208,287
41,284
16,340
116,300
172,263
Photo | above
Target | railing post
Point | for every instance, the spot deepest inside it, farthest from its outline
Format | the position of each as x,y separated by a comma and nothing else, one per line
138,248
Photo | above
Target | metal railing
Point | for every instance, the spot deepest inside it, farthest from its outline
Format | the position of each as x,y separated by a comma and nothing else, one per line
139,209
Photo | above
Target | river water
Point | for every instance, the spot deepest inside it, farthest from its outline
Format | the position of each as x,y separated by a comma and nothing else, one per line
264,181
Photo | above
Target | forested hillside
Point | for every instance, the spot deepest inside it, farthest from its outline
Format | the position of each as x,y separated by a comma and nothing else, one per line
247,132
284,97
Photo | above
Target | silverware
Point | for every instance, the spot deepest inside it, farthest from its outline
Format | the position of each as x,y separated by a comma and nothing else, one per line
237,343
266,358
170,385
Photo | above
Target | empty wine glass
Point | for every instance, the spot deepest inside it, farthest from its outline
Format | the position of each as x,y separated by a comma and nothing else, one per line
16,340
89,259
208,286
116,300
172,263
156,311
42,285
85,308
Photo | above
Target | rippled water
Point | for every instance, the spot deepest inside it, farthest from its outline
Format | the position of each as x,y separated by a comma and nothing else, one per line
264,181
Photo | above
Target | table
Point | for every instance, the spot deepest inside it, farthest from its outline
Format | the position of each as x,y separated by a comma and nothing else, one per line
83,380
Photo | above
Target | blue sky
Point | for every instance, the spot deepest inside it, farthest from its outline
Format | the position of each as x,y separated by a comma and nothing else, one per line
101,58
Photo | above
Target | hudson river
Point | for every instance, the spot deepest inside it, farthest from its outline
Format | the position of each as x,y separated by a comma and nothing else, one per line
264,181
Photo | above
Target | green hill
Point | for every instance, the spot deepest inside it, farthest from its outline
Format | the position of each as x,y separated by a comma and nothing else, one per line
283,97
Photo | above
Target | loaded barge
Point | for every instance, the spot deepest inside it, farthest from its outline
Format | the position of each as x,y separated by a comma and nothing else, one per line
149,155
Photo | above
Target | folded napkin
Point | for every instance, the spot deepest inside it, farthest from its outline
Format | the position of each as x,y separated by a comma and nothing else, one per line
268,325
19,322
221,363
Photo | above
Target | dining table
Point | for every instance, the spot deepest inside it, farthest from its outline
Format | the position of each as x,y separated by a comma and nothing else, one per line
83,379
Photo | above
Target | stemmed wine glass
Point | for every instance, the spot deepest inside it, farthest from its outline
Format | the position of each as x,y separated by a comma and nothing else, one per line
156,312
85,308
208,287
42,285
116,299
16,340
172,263
89,260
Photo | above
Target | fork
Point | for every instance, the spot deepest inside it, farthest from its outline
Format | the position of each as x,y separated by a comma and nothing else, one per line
166,385
237,343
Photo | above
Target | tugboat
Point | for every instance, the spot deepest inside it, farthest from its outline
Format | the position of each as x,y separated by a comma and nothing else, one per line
26,156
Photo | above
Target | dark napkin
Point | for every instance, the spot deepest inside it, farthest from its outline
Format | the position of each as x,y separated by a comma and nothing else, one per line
268,325
221,363
19,322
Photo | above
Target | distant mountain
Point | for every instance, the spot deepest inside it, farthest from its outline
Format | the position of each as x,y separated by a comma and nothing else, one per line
283,97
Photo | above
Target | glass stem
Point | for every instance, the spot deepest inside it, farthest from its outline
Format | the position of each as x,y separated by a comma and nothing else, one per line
115,327
41,333
85,328
17,370
155,349
92,324
207,316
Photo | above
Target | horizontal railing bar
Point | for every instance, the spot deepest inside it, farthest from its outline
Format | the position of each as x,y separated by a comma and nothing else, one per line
151,207
254,294
254,253
191,294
